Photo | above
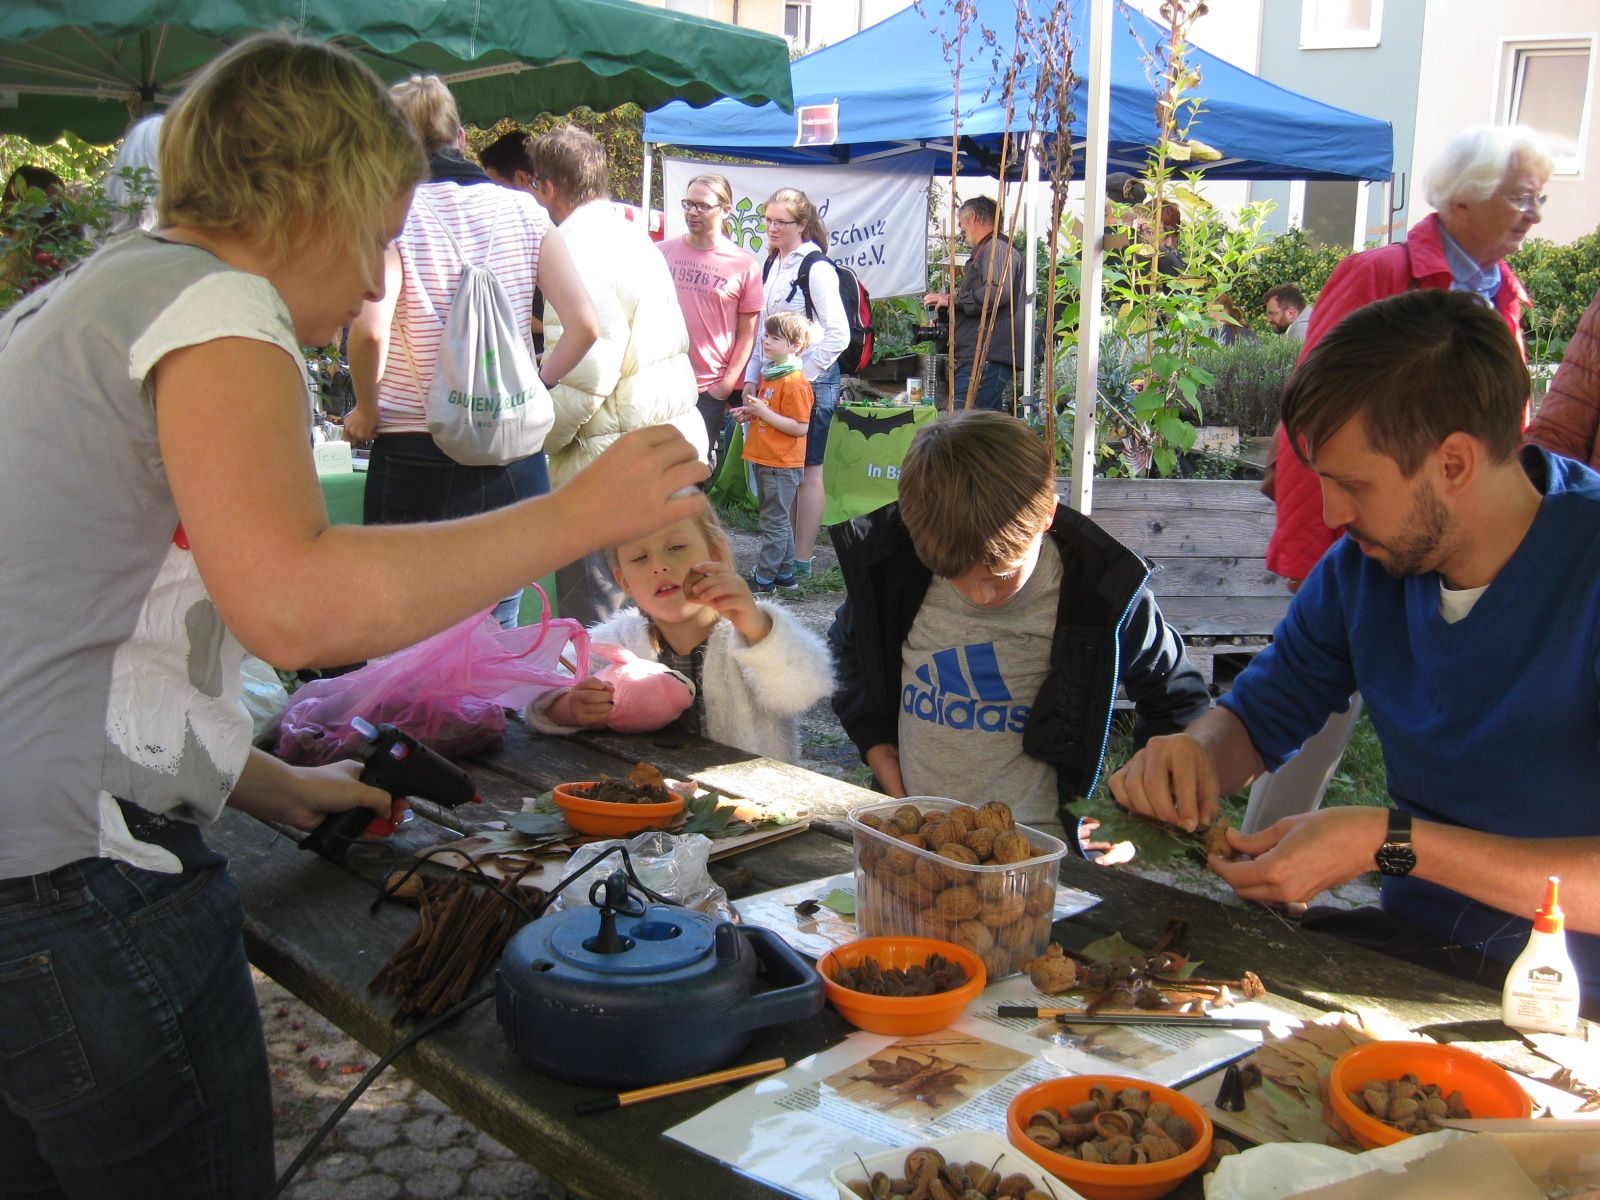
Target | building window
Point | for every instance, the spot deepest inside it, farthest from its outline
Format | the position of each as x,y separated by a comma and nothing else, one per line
1546,87
1340,24
797,22
693,8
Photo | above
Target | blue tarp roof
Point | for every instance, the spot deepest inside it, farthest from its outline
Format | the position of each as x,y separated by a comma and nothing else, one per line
893,84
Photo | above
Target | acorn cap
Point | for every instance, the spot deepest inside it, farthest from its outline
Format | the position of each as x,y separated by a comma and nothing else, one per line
1549,918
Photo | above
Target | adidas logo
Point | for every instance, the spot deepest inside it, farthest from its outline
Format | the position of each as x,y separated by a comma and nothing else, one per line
962,688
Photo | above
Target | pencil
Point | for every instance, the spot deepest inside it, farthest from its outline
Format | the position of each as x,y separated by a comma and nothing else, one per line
1077,1016
639,1095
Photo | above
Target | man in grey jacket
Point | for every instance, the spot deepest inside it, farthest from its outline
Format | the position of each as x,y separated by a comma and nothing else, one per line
987,309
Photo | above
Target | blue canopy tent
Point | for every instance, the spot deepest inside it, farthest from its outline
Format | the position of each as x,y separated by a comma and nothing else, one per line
893,86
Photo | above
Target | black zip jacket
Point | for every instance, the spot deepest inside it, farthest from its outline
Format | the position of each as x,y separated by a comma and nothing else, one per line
1109,630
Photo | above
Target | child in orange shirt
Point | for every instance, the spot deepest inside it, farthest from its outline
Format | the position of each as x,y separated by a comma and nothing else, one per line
775,424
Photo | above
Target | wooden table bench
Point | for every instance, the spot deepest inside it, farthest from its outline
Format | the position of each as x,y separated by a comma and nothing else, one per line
307,925
1208,541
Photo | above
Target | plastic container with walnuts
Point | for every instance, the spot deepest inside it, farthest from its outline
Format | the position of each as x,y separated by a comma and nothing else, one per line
966,874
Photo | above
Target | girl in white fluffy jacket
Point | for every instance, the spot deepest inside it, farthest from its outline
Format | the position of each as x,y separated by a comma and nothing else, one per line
755,668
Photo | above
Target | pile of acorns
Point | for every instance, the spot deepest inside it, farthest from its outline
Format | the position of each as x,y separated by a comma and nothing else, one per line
1408,1104
929,888
929,1177
937,975
1121,1128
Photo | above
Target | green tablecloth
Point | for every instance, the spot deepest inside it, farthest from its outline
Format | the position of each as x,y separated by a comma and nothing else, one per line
861,467
343,493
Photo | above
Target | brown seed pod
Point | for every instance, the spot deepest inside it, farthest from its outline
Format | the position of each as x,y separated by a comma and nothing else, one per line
1075,1133
958,903
1112,1124
1158,1147
1083,1110
1179,1130
1045,1135
1015,1184
1011,846
1134,1100
995,815
1092,1152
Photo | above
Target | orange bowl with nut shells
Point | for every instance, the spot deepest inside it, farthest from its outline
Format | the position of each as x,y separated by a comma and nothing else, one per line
1109,1181
608,819
1487,1090
900,1014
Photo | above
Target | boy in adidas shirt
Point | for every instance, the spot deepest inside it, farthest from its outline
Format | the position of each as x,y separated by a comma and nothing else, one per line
986,628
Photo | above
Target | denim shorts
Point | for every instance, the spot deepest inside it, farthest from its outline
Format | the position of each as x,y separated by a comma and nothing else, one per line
824,399
131,1055
409,479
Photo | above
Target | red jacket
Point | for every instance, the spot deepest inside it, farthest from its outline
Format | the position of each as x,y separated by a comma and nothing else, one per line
1570,411
1300,537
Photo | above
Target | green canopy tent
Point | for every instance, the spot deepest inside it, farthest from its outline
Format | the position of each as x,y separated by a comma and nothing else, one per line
92,66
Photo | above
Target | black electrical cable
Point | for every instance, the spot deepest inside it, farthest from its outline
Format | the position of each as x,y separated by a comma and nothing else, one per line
410,1040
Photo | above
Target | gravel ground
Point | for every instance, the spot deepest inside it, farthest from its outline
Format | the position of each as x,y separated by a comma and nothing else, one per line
400,1141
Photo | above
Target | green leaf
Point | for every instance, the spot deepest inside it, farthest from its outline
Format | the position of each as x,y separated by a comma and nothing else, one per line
744,205
539,824
842,902
1110,947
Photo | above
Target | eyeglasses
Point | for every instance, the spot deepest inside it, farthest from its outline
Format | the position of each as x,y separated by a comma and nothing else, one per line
694,206
1526,201
774,222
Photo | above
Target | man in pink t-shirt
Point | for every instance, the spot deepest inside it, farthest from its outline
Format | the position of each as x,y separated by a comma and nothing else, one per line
719,290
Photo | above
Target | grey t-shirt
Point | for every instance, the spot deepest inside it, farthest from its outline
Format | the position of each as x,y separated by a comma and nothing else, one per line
968,676
119,679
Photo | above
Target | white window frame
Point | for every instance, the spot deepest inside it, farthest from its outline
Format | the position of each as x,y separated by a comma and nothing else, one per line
1506,85
1313,37
807,22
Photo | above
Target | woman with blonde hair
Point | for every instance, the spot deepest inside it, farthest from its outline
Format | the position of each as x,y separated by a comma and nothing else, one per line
719,290
395,342
131,1058
794,231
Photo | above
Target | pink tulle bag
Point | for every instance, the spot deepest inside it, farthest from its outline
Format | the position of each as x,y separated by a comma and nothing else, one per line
450,691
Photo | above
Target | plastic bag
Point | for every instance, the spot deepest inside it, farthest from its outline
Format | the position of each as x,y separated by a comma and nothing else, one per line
450,691
645,695
674,866
264,696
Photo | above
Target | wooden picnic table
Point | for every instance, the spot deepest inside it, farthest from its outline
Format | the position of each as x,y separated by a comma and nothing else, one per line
308,925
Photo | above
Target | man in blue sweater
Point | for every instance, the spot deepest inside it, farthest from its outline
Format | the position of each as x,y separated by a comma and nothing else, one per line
1464,604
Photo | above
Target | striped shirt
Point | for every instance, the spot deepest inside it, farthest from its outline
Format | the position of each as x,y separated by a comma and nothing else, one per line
496,227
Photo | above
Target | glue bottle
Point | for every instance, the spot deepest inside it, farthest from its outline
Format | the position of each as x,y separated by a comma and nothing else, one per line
1541,993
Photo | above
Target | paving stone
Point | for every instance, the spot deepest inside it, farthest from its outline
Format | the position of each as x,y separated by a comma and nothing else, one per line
340,1165
372,1187
435,1181
435,1132
315,1189
504,1179
365,1133
403,1160
457,1158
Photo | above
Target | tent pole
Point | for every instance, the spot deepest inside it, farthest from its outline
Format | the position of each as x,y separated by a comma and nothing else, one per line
1030,223
644,189
1094,225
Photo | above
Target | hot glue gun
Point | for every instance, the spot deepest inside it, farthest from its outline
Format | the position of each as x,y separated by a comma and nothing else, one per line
400,765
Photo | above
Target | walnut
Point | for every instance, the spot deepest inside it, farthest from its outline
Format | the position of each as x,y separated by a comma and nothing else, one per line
965,815
871,820
958,903
1011,847
908,817
928,923
995,815
997,914
981,843
957,853
974,935
930,873
1041,898
914,839
1019,937
1217,839
946,832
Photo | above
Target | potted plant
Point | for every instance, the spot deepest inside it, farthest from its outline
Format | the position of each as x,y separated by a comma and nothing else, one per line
898,340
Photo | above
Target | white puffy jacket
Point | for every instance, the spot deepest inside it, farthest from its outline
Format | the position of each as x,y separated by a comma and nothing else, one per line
637,373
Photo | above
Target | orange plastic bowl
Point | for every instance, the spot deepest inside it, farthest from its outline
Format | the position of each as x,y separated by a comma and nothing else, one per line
1487,1090
1107,1181
608,819
900,1014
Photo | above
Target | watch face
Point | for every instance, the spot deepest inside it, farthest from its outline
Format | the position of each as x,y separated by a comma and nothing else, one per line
1396,858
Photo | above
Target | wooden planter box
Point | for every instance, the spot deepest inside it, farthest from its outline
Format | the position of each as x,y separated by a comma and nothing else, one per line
1208,542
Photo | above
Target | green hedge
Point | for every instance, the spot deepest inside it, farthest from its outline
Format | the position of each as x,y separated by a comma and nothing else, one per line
1563,281
1288,258
1248,378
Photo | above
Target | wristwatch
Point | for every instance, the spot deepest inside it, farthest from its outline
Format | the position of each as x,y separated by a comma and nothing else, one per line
1396,856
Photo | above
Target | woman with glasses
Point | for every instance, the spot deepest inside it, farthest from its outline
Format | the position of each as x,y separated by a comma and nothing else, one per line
794,230
1486,189
719,289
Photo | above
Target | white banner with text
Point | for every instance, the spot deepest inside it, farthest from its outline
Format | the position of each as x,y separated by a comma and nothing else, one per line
876,217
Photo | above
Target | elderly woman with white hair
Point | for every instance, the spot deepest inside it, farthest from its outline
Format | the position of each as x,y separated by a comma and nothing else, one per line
1487,192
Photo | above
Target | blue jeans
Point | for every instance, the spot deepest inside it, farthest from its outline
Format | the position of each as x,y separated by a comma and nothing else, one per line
131,1056
991,386
409,479
824,399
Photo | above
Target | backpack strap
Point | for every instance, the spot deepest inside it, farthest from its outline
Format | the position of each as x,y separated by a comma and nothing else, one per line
802,280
